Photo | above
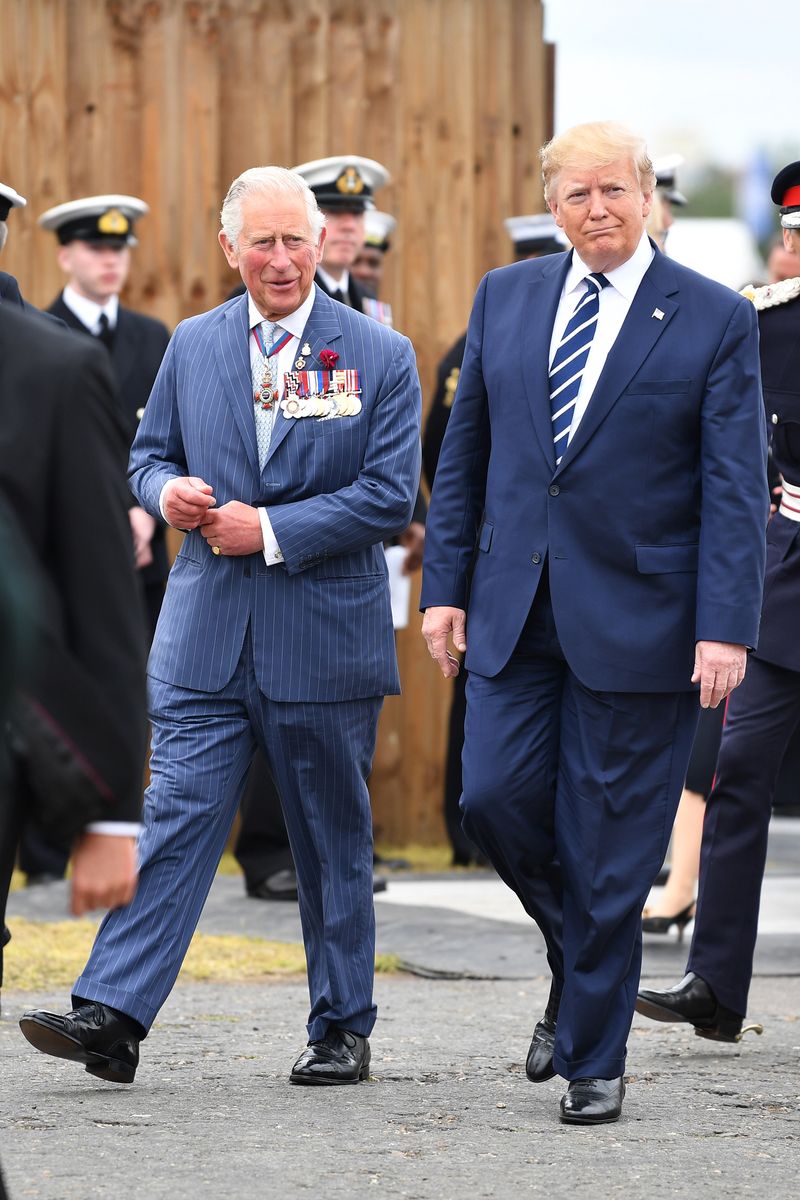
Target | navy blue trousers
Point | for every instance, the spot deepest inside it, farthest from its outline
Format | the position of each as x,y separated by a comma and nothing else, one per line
763,713
203,744
571,794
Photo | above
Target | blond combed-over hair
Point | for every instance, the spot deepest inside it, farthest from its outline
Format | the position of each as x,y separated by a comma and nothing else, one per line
595,145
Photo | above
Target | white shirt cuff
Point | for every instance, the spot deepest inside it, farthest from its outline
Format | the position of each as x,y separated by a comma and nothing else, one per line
272,551
115,828
161,500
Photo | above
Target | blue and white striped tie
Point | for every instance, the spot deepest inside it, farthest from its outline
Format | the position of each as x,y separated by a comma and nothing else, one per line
569,361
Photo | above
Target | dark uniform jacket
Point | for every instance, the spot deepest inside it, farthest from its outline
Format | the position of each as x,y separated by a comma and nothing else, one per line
779,331
138,348
63,454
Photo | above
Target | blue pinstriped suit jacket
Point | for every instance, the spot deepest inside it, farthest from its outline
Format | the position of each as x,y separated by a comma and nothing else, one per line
335,490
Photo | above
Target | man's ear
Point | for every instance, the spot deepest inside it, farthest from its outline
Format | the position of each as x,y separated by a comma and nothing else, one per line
321,243
228,249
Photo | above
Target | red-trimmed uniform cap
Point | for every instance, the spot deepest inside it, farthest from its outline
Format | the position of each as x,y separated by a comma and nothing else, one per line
786,193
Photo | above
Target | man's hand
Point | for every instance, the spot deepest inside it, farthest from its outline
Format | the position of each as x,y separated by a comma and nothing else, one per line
437,624
718,667
235,528
413,539
143,526
186,501
104,872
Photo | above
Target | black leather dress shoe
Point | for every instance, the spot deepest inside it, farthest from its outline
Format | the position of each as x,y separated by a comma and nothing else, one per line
283,886
340,1057
692,1001
592,1101
105,1040
539,1063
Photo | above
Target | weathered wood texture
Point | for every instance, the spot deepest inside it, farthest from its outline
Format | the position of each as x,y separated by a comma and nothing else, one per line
170,99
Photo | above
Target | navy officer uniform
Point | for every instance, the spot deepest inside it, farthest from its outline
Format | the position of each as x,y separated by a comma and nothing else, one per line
764,712
135,342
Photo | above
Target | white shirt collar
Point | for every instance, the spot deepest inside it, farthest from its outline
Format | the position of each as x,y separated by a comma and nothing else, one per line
625,278
88,312
334,285
294,322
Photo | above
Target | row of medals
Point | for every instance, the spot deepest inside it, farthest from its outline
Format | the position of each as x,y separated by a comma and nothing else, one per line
328,404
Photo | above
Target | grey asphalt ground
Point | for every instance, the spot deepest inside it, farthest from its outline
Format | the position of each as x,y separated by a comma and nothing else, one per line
448,1111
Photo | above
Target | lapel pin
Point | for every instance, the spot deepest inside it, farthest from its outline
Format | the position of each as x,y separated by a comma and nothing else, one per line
301,362
306,349
658,314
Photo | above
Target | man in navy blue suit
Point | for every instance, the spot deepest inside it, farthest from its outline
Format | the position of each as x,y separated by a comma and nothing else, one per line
596,545
282,434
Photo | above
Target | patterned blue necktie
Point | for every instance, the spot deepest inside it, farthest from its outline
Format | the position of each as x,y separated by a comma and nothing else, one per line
569,361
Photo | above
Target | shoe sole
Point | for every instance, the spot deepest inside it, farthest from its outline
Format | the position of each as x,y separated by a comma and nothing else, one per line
317,1081
656,1012
567,1119
59,1045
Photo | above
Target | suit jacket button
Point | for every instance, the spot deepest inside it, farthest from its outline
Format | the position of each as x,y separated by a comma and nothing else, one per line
554,489
536,559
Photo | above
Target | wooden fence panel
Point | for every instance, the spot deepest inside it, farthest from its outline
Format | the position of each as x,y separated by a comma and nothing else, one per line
171,99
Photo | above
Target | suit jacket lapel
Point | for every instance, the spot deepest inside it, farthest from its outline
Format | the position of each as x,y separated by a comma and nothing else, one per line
232,353
640,331
322,329
536,329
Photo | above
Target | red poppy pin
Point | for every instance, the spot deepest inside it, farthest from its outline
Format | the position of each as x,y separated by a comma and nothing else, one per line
328,358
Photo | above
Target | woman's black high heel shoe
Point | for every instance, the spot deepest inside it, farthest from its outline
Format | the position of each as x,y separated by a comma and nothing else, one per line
664,924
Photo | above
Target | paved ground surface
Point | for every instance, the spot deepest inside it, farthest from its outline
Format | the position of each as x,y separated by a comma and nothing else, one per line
448,1111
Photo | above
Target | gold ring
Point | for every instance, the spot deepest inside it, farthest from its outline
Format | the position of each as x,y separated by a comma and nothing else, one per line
216,550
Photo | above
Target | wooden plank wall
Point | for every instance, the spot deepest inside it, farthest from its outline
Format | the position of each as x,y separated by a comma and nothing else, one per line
170,99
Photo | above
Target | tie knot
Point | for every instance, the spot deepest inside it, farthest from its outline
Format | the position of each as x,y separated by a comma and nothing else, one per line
268,333
596,282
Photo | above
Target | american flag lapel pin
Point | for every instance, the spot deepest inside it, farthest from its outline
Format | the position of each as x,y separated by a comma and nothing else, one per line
658,314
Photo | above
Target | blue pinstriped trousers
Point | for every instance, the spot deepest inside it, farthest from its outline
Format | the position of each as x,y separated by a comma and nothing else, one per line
203,744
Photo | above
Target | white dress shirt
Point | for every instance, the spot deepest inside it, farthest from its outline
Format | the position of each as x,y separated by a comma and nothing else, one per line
615,301
334,285
88,312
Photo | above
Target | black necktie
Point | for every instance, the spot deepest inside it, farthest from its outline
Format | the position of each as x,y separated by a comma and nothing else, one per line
106,334
338,295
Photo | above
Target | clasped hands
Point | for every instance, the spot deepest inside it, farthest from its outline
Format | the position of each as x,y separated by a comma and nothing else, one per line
233,528
719,667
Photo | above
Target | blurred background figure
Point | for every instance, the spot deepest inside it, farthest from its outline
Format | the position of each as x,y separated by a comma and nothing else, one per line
76,739
344,186
368,266
95,235
533,236
675,906
764,713
9,198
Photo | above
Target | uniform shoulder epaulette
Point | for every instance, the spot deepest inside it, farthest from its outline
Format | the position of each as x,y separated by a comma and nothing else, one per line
772,293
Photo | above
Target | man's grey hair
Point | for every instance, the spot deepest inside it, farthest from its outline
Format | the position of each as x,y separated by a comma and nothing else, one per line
3,234
272,182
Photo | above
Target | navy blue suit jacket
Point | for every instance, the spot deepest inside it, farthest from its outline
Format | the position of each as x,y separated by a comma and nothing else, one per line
335,490
654,522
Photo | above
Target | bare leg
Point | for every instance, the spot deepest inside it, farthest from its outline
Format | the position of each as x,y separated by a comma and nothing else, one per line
687,835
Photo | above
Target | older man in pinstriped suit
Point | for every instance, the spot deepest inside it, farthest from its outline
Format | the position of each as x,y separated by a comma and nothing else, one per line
276,630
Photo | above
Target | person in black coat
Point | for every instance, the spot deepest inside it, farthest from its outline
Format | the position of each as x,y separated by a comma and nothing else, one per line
95,235
763,713
63,455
